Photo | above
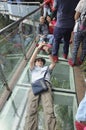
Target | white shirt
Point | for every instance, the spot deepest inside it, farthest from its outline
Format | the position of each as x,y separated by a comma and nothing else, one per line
81,111
38,72
81,6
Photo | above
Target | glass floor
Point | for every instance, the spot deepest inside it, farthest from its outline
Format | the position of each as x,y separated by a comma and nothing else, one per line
14,45
12,117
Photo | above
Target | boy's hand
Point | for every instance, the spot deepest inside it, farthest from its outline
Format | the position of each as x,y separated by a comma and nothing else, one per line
41,45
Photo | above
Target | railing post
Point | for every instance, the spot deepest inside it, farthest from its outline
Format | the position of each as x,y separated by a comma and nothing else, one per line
22,40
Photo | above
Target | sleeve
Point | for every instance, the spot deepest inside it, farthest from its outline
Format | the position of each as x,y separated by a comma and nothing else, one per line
79,7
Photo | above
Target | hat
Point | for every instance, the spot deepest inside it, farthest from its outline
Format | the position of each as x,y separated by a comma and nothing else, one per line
42,59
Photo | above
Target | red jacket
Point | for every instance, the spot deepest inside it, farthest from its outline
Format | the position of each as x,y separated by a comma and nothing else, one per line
51,28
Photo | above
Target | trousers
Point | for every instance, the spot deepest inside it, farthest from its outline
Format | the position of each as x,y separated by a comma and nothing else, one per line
60,33
31,121
79,38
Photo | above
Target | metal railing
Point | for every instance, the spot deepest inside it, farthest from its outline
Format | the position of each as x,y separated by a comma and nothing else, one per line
17,42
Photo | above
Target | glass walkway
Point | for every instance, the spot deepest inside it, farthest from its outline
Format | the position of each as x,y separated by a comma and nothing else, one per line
17,43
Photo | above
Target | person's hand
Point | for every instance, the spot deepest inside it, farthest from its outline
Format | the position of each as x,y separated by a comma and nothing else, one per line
41,45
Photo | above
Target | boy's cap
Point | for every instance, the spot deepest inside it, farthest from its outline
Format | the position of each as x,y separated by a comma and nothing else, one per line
40,58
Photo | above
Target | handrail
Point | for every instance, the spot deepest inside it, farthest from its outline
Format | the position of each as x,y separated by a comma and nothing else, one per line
15,77
19,2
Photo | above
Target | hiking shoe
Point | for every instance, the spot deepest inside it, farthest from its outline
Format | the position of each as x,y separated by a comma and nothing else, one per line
70,61
55,58
65,56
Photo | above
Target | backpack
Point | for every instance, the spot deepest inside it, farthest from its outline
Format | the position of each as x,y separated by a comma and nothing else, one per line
82,23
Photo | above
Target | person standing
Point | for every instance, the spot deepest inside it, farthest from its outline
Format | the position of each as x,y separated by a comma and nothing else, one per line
64,26
79,36
37,70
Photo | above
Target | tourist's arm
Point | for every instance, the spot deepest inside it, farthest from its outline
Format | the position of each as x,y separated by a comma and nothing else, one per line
52,65
34,55
77,15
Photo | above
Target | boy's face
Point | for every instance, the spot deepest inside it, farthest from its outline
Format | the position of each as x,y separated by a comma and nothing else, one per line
42,19
39,63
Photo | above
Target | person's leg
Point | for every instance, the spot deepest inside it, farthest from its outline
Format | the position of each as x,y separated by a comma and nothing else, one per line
48,10
48,107
50,38
77,40
45,11
57,39
66,35
31,121
83,54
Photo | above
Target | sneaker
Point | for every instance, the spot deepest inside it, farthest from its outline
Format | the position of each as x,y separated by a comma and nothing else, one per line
55,58
70,61
65,56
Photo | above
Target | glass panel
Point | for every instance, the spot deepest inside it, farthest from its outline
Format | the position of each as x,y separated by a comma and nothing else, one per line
14,112
64,104
25,77
14,44
62,76
13,109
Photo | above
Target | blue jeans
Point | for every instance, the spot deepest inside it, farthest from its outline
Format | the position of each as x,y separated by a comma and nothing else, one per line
46,11
48,38
60,33
79,38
